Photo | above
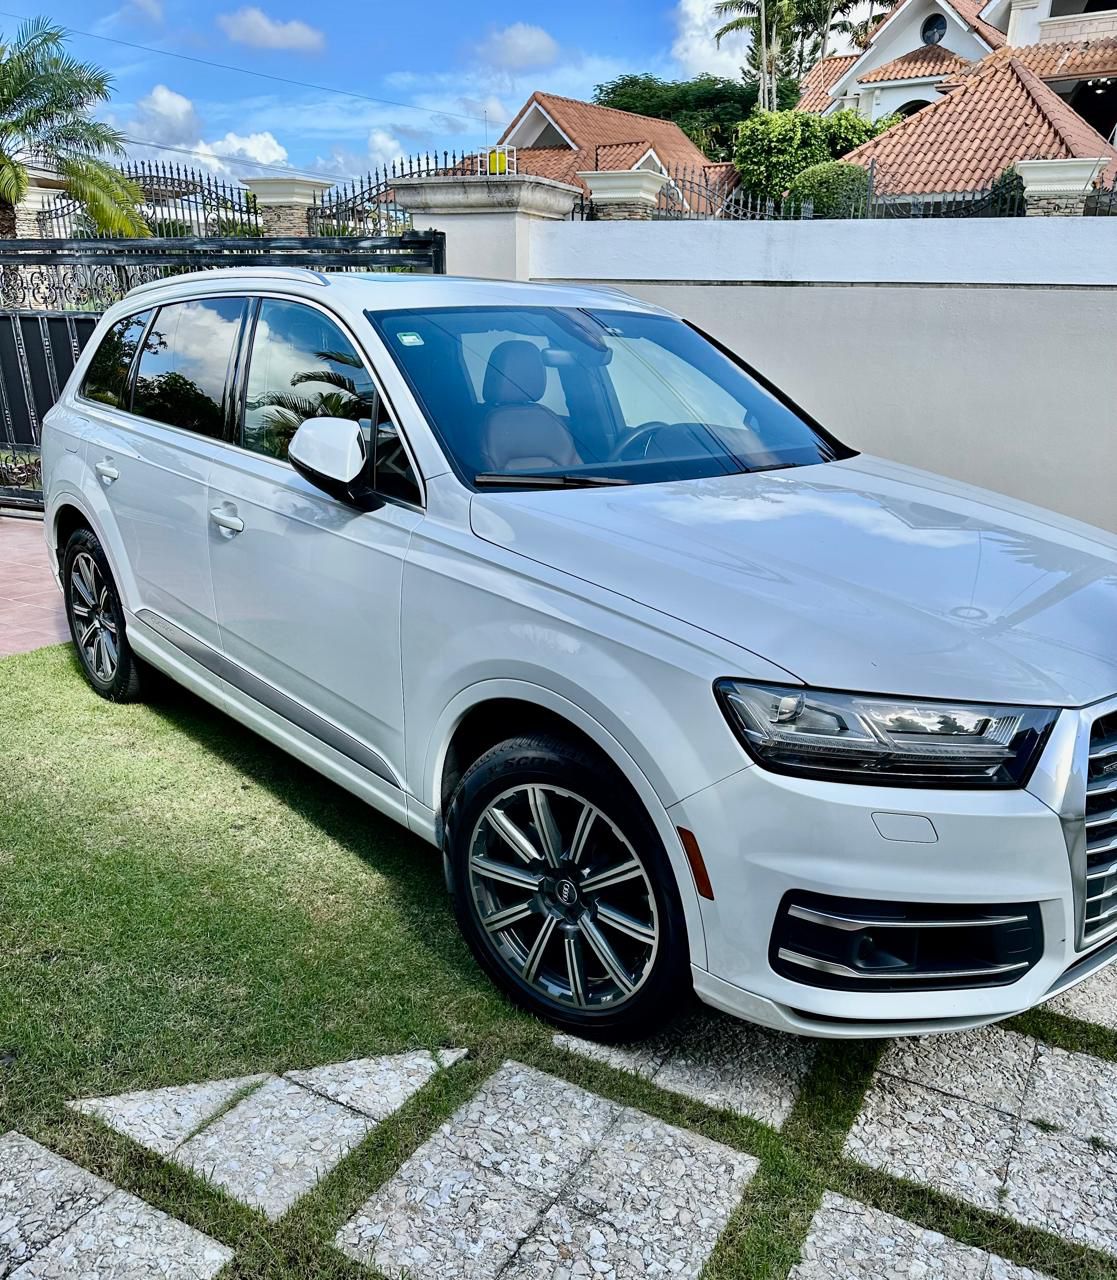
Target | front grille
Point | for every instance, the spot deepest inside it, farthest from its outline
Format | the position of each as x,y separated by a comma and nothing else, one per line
854,944
1101,831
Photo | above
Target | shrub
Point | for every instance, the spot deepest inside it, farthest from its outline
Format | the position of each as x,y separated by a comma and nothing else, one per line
836,190
774,146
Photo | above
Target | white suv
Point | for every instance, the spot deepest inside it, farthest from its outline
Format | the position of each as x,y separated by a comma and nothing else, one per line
689,694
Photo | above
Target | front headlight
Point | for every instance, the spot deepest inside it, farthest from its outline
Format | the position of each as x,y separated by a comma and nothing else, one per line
853,737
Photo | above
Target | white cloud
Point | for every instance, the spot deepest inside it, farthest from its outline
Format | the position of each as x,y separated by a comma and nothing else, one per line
694,48
166,118
383,148
519,47
262,147
151,9
253,27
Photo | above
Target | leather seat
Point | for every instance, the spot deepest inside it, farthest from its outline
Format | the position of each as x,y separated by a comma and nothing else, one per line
520,434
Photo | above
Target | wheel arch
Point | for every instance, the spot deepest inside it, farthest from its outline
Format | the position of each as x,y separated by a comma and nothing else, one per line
493,711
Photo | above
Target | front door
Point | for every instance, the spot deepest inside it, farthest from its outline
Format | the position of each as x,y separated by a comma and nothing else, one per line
151,443
307,589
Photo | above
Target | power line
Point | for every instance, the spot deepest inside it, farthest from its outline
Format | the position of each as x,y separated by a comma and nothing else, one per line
287,169
261,75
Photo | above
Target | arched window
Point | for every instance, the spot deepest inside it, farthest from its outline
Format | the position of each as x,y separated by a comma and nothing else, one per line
934,28
910,108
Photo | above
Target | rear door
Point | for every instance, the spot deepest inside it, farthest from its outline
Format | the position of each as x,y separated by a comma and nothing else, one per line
307,589
151,456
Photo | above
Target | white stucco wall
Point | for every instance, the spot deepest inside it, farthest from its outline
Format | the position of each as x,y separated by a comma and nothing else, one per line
885,98
981,348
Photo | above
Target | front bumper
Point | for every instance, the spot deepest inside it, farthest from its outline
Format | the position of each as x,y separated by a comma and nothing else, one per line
767,839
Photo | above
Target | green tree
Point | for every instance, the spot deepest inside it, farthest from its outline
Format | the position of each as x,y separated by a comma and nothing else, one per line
708,108
774,146
861,32
835,190
45,99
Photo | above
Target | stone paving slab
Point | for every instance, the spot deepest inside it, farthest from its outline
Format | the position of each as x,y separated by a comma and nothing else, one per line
1075,1093
125,1239
537,1178
1061,1179
1094,1000
41,1196
377,1086
929,1137
850,1241
717,1060
437,1219
1064,1185
272,1148
988,1065
162,1119
526,1126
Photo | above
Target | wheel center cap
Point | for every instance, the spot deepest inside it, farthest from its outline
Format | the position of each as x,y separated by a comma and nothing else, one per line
567,892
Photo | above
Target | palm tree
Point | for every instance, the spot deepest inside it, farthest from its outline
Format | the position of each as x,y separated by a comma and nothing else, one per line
45,99
860,33
750,16
815,22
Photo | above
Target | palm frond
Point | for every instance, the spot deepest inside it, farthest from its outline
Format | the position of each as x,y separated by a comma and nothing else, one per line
107,196
13,179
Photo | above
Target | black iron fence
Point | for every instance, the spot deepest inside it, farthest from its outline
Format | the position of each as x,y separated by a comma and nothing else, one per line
715,192
38,351
178,203
52,293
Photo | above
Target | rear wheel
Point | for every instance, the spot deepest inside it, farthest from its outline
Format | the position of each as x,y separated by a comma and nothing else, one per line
563,889
96,618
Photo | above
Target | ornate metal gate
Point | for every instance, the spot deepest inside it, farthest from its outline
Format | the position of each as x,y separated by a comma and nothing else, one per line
52,293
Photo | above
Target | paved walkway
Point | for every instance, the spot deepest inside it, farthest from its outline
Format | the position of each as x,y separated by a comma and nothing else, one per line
534,1178
31,609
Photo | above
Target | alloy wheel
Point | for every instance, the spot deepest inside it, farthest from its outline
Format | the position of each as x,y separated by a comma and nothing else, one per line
92,607
563,897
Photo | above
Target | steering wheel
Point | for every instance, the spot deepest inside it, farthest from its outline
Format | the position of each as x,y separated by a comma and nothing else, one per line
644,433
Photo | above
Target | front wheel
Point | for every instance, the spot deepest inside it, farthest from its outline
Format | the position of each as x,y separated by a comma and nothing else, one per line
563,890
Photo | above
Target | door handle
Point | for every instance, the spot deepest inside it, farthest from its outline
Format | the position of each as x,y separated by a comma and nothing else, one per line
226,520
106,471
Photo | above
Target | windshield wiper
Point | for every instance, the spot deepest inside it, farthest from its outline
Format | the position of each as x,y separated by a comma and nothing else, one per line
545,480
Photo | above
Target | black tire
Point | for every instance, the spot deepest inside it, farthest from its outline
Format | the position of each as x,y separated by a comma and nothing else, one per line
568,775
121,680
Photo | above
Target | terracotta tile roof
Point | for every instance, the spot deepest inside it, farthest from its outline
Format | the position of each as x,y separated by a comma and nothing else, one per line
602,135
1061,59
927,60
1001,113
968,11
821,78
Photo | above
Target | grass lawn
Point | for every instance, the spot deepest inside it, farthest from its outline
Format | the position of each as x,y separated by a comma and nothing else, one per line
179,901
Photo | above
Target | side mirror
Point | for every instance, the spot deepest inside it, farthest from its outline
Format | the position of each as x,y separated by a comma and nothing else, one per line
331,453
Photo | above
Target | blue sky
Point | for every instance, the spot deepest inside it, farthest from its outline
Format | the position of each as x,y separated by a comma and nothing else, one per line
450,64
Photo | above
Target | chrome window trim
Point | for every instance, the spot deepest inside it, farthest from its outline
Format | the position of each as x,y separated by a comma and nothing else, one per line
127,416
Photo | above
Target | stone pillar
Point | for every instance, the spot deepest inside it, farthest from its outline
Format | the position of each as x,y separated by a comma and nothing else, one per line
624,194
32,222
487,220
284,203
1058,188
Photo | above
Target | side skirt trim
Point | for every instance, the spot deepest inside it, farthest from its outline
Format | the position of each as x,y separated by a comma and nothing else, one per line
262,692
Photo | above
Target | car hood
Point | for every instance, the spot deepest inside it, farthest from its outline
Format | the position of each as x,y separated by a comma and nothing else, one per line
861,574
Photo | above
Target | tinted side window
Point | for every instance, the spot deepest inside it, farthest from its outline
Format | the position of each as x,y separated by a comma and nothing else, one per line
185,362
108,370
303,366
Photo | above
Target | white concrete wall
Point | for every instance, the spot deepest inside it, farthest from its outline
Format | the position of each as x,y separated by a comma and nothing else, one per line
982,348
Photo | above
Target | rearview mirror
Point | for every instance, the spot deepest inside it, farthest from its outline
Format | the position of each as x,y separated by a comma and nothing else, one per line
331,454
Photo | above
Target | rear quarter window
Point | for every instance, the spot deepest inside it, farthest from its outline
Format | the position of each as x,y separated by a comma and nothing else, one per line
106,376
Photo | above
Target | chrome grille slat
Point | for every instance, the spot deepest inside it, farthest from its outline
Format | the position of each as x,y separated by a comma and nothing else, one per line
1100,886
1102,819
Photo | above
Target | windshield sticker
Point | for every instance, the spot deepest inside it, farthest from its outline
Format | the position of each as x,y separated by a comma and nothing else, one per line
410,339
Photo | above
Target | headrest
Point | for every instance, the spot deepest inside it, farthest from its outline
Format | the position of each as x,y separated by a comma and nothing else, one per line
515,374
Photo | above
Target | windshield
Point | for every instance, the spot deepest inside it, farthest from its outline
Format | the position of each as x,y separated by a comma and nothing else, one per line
552,396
